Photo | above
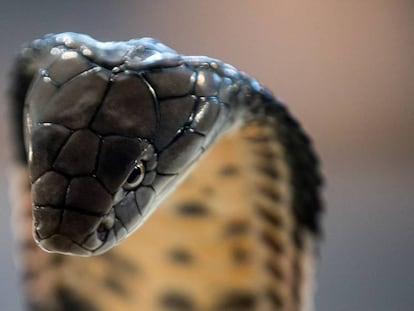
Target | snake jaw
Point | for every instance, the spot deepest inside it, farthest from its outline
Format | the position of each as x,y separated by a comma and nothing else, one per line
63,245
102,238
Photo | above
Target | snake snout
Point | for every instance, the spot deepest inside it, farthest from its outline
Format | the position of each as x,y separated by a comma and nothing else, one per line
68,232
75,176
72,215
62,244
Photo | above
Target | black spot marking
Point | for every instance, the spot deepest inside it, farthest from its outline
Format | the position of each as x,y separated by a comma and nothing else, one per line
274,298
271,193
274,270
120,264
267,169
237,227
298,238
115,286
180,255
297,278
70,301
229,170
272,242
237,300
267,155
302,163
260,139
240,255
177,302
268,216
193,209
304,169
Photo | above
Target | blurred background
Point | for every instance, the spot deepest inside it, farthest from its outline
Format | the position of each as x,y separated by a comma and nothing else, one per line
345,69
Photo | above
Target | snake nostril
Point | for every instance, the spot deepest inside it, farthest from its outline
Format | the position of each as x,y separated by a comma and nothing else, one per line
102,233
105,226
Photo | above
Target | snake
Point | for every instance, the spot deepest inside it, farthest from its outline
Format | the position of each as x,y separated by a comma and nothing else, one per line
109,134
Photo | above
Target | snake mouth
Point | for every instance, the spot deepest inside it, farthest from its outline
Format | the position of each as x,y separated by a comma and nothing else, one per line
69,237
83,227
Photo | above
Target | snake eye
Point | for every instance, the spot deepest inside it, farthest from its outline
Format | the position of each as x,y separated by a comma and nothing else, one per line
136,176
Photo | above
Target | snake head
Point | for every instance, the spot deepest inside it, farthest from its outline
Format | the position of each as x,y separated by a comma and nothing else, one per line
94,191
103,148
91,180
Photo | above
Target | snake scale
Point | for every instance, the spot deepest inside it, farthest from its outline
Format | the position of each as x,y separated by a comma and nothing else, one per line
110,132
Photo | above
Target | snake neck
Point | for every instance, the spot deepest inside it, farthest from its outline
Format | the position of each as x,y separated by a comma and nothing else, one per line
254,105
241,229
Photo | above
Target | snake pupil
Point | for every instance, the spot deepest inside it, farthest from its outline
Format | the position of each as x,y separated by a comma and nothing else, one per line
136,173
136,176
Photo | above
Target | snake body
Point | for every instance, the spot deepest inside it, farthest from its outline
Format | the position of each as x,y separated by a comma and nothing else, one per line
112,128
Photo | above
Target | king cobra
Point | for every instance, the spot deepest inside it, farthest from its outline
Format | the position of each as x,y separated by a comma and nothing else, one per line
111,133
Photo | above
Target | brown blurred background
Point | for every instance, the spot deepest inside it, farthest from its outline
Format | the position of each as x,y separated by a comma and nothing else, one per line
345,69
